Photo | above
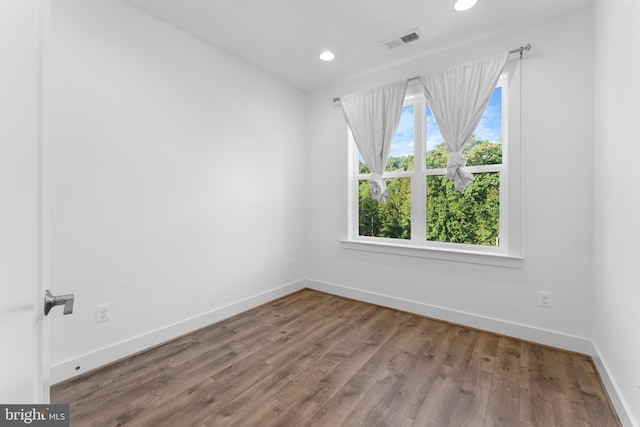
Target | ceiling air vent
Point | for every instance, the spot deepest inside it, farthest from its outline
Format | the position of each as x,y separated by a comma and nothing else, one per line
409,37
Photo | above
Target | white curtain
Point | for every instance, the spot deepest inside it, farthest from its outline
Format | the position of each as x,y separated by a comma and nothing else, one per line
458,97
373,118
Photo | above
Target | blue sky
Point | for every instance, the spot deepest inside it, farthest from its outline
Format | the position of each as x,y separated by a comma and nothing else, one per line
490,127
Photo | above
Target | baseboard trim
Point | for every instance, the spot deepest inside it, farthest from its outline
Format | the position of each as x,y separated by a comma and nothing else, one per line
617,399
95,359
89,361
503,327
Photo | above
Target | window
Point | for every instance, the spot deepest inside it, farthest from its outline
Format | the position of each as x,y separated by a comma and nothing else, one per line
424,210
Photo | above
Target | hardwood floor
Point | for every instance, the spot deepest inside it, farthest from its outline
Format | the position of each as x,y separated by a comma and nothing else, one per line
313,359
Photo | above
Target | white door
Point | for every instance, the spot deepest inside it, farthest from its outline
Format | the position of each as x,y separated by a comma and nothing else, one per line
23,359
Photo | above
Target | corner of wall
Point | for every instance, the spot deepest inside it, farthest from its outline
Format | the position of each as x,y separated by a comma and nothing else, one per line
615,395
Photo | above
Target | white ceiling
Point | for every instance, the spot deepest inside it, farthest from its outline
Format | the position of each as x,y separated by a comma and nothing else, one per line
285,37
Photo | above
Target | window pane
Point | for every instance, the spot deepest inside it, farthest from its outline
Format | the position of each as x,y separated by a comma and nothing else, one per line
362,167
401,151
391,219
436,148
472,217
484,147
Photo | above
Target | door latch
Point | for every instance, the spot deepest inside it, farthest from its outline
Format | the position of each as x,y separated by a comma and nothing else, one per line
51,301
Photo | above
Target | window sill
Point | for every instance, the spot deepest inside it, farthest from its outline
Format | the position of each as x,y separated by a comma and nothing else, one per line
445,254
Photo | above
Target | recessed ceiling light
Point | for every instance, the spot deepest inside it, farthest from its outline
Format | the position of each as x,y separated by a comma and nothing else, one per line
327,56
461,5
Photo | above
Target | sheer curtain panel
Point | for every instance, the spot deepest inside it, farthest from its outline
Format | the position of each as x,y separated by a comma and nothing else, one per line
373,118
458,97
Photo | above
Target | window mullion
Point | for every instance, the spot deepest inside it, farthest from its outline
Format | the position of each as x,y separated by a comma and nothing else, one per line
418,182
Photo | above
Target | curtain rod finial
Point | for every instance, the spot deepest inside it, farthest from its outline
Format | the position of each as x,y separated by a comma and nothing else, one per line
527,47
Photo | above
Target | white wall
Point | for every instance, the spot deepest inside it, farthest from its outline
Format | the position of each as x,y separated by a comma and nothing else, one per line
177,182
557,160
616,204
178,190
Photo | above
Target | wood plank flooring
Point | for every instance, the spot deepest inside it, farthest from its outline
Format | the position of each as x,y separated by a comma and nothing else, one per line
313,359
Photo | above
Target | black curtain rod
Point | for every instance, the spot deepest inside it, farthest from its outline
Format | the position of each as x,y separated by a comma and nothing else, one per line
520,50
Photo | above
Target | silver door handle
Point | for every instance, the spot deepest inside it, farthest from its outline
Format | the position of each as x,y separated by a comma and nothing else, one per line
51,301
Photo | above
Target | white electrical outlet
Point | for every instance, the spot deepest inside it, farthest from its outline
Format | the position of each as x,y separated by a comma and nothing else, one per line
290,265
103,312
544,299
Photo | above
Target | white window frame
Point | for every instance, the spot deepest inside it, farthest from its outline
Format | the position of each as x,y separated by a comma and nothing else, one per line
507,253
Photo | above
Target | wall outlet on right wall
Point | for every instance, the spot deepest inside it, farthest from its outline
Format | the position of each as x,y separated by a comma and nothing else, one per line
544,299
103,313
